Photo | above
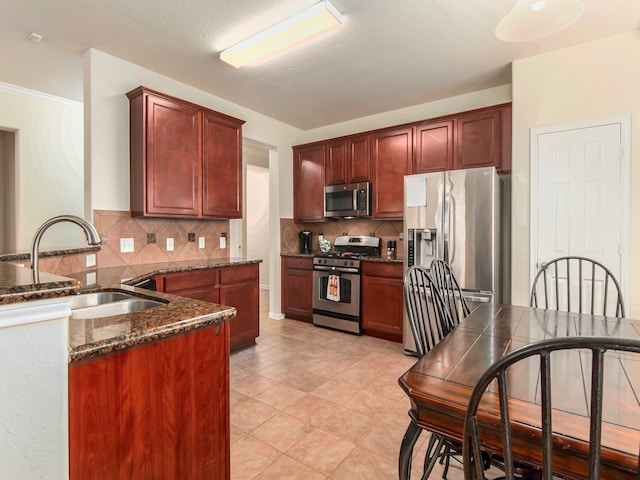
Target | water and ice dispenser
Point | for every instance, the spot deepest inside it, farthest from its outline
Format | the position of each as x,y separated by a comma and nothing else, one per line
421,246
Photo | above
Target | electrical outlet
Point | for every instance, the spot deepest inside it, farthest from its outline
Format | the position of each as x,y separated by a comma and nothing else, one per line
91,260
200,242
91,278
126,245
169,244
223,242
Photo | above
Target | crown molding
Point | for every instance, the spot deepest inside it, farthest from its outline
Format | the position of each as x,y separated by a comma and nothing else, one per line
36,95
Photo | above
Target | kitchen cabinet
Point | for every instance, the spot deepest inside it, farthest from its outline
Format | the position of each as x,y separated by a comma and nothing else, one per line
348,160
382,299
297,287
236,286
155,411
308,183
185,160
391,160
483,138
434,146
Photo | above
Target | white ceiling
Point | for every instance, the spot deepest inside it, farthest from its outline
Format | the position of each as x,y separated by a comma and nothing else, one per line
389,54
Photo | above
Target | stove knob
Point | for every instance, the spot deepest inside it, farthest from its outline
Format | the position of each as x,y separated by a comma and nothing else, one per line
351,263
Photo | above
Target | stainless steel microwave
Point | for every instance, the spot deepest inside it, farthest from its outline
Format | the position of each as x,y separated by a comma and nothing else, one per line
350,200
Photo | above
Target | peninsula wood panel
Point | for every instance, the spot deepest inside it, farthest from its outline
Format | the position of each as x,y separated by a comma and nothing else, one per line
157,411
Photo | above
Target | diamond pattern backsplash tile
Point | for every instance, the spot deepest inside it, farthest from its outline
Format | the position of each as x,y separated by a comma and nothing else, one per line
114,225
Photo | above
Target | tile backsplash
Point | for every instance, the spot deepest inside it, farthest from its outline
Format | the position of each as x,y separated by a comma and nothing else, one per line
114,225
386,230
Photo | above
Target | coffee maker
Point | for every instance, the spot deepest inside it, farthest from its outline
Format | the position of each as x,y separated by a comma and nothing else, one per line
305,241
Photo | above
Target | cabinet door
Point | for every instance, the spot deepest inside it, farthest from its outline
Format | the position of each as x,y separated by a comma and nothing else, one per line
173,158
335,169
297,288
478,139
308,183
157,411
358,148
239,288
198,284
221,166
392,157
382,298
434,147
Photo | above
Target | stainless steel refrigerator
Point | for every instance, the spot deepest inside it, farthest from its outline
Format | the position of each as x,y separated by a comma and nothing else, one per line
457,216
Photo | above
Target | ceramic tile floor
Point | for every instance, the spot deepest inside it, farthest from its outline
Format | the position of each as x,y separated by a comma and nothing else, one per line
309,403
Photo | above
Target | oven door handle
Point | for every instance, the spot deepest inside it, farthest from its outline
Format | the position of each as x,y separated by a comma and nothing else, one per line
336,269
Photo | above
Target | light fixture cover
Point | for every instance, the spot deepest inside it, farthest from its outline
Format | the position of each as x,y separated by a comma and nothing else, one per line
533,19
295,29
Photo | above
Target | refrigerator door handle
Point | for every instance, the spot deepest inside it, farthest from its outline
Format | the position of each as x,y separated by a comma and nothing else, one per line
446,220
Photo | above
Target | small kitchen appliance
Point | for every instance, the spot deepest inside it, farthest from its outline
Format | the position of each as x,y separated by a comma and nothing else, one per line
336,282
350,200
305,241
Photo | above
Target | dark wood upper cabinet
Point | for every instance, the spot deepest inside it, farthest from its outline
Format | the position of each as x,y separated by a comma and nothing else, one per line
434,146
221,166
391,160
308,183
335,168
186,160
358,149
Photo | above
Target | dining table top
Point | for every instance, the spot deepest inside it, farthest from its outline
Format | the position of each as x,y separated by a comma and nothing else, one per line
440,383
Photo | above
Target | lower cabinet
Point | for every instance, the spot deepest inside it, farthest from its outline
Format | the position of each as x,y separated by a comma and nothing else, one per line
157,411
382,298
297,288
236,286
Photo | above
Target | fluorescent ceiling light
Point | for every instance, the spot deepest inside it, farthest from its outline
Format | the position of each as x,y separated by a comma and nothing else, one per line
533,19
295,29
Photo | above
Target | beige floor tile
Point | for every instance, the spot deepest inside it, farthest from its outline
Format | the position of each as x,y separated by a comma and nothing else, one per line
251,414
361,464
280,396
321,451
348,424
249,457
306,381
282,431
251,385
286,468
384,439
370,403
336,391
311,409
236,398
277,372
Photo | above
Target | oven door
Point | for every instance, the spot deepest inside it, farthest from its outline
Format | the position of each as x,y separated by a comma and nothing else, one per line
344,301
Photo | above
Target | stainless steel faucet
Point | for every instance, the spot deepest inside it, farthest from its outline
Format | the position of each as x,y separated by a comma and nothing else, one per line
93,237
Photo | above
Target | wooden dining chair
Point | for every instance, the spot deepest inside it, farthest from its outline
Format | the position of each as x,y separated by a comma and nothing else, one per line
430,322
577,284
450,291
486,391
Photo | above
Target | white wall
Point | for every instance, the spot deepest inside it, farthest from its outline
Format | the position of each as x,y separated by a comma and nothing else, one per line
589,81
47,132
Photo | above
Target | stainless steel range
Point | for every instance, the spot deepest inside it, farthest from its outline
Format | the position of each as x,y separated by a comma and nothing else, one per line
336,283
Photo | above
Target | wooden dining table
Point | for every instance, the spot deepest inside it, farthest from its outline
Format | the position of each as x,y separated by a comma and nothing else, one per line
440,383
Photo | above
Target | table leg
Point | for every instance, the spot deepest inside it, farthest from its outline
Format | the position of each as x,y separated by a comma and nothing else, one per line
406,450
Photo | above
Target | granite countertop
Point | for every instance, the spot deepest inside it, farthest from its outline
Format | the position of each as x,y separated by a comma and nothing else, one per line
90,338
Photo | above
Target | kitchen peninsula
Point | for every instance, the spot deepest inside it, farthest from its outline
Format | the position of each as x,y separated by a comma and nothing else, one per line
147,391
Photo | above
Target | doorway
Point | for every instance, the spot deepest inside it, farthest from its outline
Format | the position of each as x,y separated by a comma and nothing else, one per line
580,193
8,240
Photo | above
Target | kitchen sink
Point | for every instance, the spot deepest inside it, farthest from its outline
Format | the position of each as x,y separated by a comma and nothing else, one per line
107,304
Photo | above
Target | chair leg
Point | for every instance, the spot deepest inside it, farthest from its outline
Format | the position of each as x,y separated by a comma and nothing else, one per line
406,450
433,452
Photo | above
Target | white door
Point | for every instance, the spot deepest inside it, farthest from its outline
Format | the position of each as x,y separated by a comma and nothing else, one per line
579,199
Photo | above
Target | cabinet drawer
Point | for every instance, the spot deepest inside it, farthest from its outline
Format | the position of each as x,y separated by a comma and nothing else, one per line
239,273
298,262
377,269
188,280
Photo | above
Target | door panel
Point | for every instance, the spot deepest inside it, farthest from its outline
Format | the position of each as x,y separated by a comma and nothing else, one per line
579,199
